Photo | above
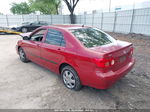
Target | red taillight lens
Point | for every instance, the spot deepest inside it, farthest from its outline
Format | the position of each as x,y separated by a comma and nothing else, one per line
104,63
131,52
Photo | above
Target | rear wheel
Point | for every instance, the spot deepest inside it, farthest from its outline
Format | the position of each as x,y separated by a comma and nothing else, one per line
70,78
24,30
22,55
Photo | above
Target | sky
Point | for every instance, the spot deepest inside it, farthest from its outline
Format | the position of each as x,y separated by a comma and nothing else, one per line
83,5
5,5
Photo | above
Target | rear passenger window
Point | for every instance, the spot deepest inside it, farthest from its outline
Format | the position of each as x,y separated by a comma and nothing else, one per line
54,37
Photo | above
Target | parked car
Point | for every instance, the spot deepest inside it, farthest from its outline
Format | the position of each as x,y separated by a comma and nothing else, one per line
7,30
29,26
82,55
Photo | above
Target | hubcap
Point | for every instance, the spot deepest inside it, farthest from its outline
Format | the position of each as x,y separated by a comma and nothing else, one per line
69,79
24,30
22,55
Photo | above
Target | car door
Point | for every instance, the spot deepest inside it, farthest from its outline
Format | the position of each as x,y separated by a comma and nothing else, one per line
34,45
52,49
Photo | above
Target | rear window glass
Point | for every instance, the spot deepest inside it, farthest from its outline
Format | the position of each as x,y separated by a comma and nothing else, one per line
91,37
55,37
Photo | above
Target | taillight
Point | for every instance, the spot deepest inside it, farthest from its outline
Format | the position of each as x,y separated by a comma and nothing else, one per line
131,52
104,63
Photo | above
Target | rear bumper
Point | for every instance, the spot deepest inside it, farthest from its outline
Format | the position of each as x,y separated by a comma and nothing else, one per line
105,80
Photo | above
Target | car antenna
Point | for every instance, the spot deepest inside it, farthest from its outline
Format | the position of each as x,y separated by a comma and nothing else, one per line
83,25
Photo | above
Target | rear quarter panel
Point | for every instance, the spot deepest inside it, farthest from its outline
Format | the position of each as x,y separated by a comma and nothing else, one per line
79,57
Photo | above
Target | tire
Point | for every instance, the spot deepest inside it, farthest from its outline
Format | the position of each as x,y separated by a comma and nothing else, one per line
70,78
24,30
22,55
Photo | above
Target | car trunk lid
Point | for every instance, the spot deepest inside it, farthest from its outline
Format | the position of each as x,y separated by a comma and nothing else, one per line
119,51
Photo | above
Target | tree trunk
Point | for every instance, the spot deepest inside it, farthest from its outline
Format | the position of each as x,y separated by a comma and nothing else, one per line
72,18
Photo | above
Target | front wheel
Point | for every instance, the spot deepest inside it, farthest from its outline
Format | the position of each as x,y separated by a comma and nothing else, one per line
70,78
22,55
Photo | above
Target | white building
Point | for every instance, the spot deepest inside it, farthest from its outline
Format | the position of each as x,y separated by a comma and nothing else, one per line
103,5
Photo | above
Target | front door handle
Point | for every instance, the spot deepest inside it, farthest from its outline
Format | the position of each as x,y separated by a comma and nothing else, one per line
58,49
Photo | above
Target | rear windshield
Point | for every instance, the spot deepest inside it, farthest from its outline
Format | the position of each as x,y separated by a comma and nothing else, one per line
91,37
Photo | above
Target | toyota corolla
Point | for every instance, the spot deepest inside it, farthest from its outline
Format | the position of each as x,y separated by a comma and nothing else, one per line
81,55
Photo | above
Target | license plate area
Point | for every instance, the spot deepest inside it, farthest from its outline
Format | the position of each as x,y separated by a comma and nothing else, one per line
122,59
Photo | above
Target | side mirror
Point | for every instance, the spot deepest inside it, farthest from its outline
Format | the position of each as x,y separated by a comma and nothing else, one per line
25,38
31,24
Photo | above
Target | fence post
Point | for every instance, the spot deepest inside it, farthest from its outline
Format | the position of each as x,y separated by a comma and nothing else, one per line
80,19
51,19
102,21
84,18
22,18
93,13
7,20
132,19
63,19
37,17
114,22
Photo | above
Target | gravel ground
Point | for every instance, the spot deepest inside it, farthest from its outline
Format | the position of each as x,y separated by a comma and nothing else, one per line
29,86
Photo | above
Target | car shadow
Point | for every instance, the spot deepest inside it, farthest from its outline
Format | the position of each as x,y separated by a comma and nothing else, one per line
123,94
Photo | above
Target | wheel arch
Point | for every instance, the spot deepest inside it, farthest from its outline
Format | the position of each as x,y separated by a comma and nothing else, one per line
18,48
73,65
61,66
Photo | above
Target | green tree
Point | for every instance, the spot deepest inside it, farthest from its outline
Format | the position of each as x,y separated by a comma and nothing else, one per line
71,4
45,6
20,8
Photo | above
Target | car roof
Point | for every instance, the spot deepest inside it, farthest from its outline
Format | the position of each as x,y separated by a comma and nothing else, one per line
69,26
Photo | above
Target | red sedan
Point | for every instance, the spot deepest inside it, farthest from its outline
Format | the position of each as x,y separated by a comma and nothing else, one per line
82,55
